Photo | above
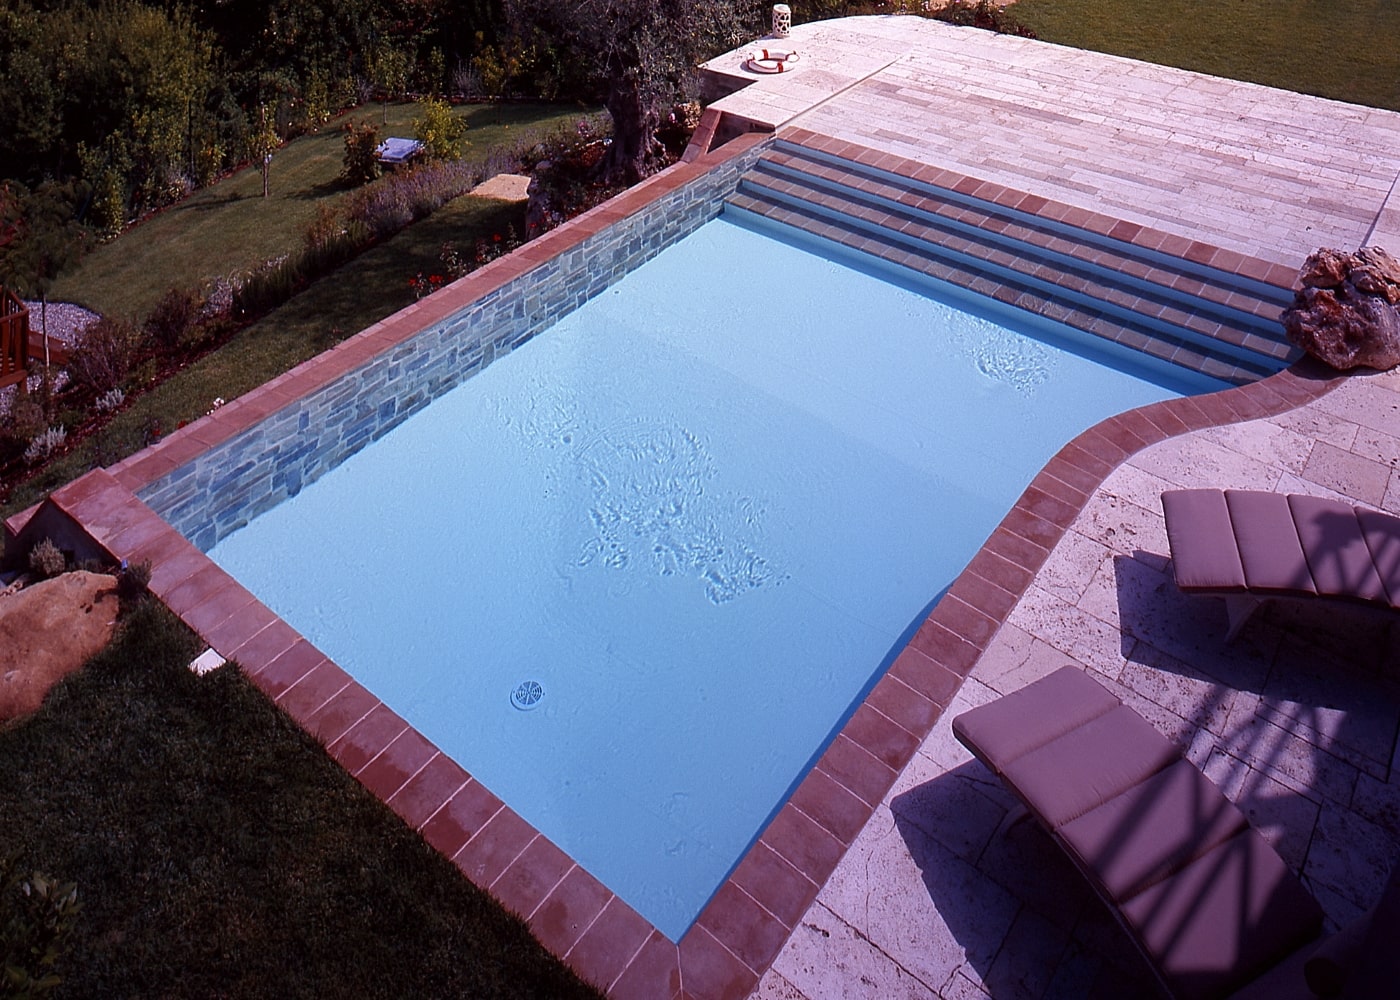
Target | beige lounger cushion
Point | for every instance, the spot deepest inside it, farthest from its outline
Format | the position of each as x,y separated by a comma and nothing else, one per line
1013,725
1337,552
1208,901
1204,553
1224,919
1153,830
1089,765
1271,544
1272,555
1382,534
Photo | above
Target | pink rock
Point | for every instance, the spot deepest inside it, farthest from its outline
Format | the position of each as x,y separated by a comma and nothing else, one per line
1325,268
1348,311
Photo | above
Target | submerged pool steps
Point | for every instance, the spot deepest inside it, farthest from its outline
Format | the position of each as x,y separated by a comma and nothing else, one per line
1209,320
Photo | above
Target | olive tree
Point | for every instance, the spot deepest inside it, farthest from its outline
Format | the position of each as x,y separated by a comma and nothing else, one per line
38,239
639,54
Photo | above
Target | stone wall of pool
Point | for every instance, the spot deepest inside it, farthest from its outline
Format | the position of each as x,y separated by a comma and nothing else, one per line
221,489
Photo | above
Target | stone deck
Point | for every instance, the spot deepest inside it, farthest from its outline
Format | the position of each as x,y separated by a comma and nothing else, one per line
1297,719
1263,172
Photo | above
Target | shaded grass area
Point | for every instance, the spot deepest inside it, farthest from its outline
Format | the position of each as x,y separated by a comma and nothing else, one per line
364,291
229,227
1348,50
218,851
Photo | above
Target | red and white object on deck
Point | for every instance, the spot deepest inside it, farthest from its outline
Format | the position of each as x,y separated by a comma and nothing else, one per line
771,60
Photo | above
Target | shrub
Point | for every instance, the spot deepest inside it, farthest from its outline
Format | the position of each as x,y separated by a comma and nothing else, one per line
46,559
266,287
36,915
442,133
360,165
170,321
110,400
133,579
45,444
103,356
982,14
384,208
25,421
107,212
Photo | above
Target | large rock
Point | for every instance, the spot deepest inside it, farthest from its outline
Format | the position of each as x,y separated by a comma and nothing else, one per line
1348,311
47,631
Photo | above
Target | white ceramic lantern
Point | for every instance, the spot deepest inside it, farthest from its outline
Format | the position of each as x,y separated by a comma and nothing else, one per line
782,20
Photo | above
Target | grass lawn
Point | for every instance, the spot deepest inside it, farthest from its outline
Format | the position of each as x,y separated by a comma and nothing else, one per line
1348,50
218,851
364,291
229,226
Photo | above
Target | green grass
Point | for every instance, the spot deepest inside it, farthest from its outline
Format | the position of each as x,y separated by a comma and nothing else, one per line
218,851
229,227
364,291
1348,50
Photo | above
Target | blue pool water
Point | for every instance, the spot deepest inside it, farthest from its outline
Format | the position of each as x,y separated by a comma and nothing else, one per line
634,575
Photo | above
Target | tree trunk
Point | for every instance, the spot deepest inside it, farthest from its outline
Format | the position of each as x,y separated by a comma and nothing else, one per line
267,169
47,394
635,151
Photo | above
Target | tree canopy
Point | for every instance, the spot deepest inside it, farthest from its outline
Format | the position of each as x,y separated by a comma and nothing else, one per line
640,53
144,100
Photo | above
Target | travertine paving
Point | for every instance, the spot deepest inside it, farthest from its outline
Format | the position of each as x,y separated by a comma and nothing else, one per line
1296,720
1260,171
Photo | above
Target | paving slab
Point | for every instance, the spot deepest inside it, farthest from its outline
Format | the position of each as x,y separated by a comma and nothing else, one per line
1252,169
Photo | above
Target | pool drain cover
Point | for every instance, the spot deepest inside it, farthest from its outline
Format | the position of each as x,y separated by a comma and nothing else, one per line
527,695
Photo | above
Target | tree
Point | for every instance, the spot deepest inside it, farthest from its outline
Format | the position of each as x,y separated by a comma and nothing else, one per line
40,239
361,162
389,69
639,53
262,143
440,131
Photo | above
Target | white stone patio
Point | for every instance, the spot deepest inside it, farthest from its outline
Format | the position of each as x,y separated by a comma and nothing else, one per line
1297,719
1264,172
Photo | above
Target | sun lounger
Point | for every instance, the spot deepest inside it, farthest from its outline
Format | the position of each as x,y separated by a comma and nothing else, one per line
1249,547
1206,899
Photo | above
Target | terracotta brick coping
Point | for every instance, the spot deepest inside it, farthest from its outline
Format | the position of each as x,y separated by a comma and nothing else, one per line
604,940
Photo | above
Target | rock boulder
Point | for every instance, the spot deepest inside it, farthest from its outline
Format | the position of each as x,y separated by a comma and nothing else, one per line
1348,311
47,631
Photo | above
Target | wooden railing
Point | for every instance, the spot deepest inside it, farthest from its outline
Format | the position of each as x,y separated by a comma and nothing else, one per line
14,338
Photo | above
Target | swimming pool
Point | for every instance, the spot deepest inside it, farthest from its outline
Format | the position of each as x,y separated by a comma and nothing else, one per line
634,575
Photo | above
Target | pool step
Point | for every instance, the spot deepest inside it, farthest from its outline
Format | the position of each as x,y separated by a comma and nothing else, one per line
1222,324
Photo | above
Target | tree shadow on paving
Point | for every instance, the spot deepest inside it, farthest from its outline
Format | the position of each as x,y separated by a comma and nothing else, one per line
1296,719
1025,919
1324,664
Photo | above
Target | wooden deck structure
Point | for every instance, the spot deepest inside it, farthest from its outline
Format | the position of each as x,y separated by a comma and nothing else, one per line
14,338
